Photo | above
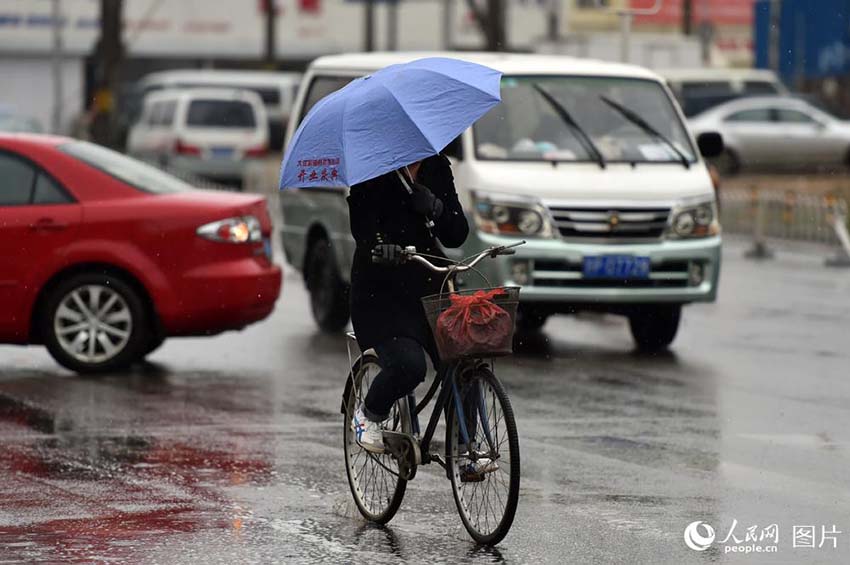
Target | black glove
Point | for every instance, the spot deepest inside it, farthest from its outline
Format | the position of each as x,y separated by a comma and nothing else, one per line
424,202
387,254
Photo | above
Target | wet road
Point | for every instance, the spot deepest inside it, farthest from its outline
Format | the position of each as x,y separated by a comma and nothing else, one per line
227,450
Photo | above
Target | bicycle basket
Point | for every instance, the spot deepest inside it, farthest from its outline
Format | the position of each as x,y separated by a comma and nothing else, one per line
473,323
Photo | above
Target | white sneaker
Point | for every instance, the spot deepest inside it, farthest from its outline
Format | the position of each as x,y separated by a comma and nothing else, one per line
367,433
474,471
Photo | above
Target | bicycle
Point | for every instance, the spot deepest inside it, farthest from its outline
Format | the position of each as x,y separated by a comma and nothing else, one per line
485,480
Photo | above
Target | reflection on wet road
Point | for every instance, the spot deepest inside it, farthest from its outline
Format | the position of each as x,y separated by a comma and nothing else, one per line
229,449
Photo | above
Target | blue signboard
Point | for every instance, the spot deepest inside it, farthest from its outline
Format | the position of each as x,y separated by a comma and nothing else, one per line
813,38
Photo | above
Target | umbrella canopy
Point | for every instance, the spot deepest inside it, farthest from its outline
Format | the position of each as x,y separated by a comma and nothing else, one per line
384,121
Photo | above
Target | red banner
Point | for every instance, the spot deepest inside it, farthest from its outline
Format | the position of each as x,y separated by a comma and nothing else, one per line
720,12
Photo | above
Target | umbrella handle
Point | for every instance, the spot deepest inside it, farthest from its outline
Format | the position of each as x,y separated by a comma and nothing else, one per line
429,223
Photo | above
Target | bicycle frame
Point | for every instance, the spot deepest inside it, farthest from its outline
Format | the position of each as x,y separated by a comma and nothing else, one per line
446,377
449,396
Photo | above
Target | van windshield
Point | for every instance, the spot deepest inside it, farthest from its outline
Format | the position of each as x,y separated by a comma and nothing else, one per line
220,114
533,122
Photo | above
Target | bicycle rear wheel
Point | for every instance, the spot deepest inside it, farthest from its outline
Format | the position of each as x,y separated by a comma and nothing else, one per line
486,499
374,479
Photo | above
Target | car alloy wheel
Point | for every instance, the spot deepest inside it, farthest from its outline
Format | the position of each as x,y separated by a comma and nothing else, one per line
93,324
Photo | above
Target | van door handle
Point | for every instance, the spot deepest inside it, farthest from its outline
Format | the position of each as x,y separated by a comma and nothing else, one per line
48,225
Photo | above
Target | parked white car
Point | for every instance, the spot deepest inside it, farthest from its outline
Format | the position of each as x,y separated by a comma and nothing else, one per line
210,133
776,133
276,89
698,90
590,162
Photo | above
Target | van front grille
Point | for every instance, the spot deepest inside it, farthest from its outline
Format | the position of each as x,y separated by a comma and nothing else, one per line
610,223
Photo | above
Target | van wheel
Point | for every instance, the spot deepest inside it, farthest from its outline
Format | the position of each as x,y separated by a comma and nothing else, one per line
530,319
328,292
654,327
94,322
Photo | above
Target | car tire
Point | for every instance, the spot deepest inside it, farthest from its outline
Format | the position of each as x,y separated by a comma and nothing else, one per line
530,320
654,327
328,292
89,342
154,343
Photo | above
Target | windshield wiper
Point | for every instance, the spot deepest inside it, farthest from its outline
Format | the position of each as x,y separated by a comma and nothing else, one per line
568,119
647,127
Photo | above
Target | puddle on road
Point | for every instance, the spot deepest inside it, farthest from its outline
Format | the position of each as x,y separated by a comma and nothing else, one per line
81,485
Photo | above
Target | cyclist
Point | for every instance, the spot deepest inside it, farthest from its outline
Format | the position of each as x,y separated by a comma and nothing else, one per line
414,206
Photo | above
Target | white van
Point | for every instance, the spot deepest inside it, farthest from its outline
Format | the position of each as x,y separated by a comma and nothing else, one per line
276,89
599,175
203,132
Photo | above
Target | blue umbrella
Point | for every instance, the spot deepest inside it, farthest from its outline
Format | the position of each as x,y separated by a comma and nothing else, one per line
384,121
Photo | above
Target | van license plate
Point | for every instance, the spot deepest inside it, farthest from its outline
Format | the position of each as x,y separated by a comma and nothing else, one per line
623,267
222,152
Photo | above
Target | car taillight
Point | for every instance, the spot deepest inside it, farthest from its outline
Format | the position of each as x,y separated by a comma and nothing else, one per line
183,148
256,151
244,229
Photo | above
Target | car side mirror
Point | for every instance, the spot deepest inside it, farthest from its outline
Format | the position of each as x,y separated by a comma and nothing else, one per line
710,144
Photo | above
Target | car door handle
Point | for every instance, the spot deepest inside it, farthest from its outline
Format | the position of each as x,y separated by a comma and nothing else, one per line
48,224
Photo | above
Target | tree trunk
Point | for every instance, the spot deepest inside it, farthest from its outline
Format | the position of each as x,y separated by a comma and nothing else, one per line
492,23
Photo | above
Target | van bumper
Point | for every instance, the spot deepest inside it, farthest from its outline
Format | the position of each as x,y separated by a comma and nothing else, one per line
217,169
681,272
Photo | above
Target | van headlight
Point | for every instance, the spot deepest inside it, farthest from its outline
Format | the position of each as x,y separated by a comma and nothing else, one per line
694,219
503,214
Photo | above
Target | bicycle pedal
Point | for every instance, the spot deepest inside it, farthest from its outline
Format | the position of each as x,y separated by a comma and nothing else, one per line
475,477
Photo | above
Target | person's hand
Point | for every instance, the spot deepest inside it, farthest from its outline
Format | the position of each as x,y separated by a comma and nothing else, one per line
387,254
424,202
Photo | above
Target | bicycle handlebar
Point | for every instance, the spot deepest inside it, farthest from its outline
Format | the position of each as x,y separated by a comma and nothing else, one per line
410,254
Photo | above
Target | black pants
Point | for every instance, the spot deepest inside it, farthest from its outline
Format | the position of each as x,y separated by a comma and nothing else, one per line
403,367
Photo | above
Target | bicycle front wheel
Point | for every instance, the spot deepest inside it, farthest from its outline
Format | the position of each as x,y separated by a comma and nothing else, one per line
374,479
484,474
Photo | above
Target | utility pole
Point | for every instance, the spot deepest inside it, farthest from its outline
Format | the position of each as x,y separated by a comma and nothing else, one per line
687,17
773,53
271,33
496,33
553,21
626,36
448,22
56,64
369,25
392,25
108,55
626,17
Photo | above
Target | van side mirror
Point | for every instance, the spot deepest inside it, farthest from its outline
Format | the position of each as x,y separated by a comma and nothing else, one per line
710,144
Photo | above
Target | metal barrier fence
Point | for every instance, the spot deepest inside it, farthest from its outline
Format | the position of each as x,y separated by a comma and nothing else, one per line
790,216
196,181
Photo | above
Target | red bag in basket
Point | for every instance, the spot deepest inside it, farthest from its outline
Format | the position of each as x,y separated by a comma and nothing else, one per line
473,323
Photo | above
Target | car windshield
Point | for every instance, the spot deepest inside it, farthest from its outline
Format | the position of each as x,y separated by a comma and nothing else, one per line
135,173
220,114
529,124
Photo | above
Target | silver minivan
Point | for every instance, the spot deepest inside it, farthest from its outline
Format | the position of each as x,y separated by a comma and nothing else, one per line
614,199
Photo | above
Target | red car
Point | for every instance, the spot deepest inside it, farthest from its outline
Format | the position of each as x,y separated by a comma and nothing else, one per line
102,257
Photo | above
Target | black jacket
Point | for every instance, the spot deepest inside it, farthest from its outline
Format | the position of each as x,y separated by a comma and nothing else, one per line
385,299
